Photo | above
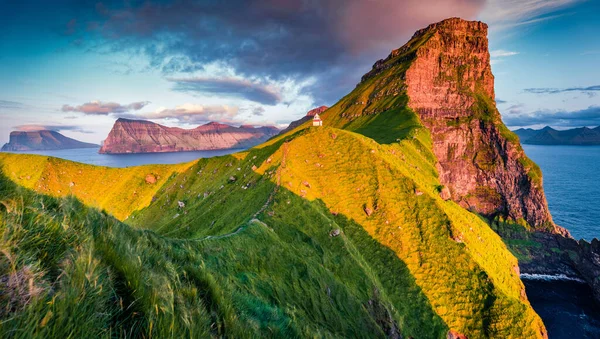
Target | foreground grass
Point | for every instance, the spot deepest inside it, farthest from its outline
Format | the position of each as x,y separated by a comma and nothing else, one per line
77,272
337,231
321,233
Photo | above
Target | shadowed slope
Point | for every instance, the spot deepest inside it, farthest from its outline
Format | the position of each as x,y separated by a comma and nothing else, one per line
317,232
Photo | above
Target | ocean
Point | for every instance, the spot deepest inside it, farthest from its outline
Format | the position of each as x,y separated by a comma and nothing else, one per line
565,306
91,156
572,186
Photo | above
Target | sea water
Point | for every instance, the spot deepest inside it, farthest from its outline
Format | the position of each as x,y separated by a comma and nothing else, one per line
572,186
91,156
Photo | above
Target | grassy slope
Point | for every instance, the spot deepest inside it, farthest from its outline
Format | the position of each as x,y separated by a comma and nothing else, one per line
286,274
118,190
254,252
273,277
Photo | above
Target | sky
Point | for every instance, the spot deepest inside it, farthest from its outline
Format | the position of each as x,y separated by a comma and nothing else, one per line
75,66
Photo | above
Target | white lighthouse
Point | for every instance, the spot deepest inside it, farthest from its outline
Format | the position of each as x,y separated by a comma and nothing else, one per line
317,120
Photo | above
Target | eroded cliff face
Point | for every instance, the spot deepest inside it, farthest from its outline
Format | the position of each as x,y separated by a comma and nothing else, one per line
481,163
139,136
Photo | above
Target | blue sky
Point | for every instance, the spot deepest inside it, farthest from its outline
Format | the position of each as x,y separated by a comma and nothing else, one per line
75,66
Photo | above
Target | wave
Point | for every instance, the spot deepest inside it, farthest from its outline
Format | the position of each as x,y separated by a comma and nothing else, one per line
549,277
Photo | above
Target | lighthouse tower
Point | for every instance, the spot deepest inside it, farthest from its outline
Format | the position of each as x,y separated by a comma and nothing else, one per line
317,120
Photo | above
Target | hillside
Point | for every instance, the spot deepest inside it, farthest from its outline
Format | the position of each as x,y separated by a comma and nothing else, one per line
338,236
358,228
43,140
440,84
141,136
550,136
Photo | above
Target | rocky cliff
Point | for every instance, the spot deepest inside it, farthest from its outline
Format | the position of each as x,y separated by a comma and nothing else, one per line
443,75
140,136
438,90
43,140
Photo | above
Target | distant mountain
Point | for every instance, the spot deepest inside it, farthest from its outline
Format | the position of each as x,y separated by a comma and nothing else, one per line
141,136
307,117
550,136
43,140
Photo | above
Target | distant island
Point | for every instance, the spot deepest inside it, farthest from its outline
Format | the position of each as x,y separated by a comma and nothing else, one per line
551,136
43,140
142,136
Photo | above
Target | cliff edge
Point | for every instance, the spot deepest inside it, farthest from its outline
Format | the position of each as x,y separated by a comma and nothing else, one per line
141,136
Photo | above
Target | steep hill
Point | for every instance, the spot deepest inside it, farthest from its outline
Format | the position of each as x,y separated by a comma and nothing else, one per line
324,232
41,141
140,136
365,227
550,136
440,84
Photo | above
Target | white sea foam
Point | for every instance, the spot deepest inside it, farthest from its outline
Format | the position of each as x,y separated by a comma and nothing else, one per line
548,277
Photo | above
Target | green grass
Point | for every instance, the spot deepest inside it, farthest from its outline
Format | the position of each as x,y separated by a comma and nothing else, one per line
119,191
255,256
243,245
346,172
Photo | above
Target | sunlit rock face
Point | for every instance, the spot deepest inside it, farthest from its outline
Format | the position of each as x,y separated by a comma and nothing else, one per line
139,136
450,85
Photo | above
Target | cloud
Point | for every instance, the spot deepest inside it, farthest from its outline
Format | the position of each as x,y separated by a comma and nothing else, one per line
56,128
258,111
559,118
515,109
590,53
499,101
104,108
230,87
10,104
502,53
329,41
502,14
590,90
191,114
498,56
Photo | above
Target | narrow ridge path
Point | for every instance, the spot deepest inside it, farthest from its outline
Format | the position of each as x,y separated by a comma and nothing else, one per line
262,209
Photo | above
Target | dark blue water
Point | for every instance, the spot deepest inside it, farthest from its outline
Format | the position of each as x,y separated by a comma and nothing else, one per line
572,186
566,307
91,156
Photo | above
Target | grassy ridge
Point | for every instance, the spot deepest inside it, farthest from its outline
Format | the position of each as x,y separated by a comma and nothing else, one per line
458,261
244,241
269,278
336,231
118,190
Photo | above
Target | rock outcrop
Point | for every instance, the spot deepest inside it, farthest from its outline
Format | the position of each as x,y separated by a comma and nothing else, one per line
449,84
140,136
43,140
